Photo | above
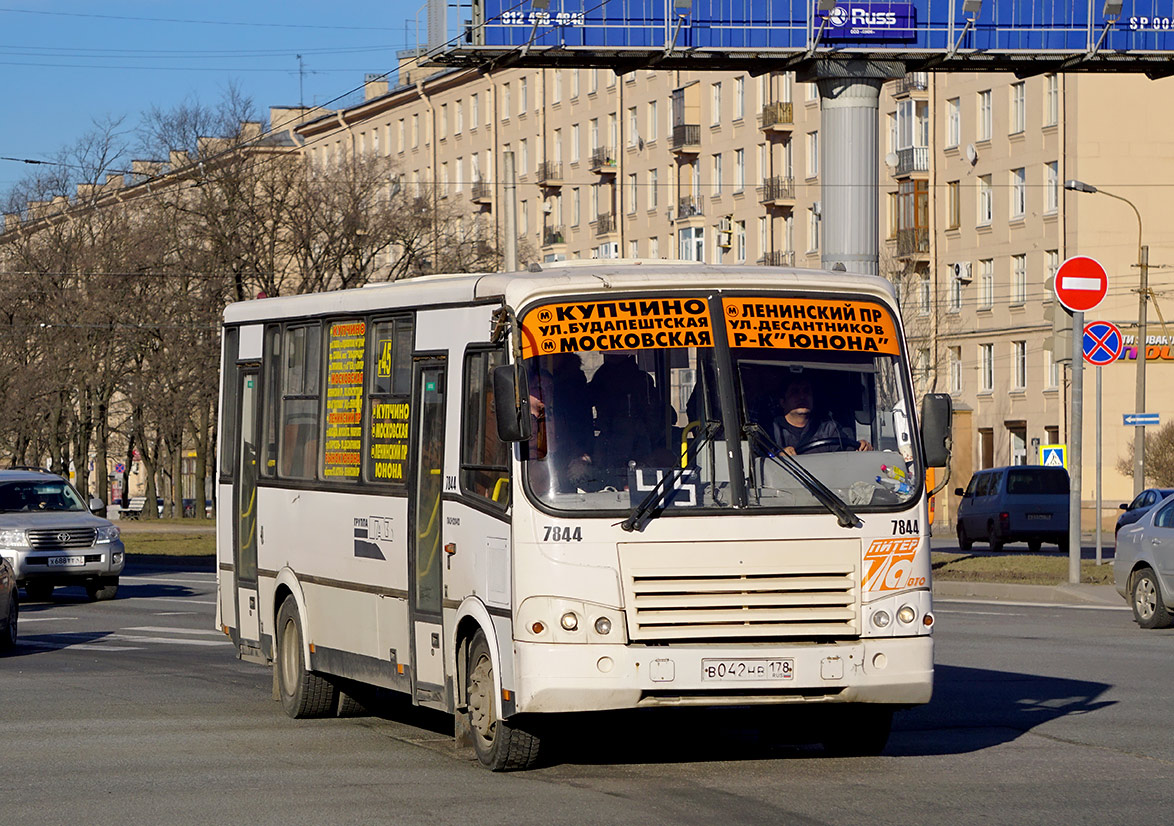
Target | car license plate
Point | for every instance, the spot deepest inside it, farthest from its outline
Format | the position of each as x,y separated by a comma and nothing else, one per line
55,561
1039,516
754,669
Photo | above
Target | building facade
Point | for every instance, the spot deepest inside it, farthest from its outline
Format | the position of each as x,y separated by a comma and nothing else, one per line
725,168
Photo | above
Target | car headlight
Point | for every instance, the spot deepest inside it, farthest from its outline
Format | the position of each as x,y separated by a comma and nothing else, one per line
107,533
11,538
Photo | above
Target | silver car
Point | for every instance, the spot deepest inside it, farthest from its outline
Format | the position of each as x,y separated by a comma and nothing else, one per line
50,537
1143,568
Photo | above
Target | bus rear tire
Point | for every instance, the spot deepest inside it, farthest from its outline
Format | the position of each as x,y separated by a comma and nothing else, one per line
858,731
303,693
500,745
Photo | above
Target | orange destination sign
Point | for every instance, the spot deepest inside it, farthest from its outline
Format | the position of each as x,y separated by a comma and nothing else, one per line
631,324
810,324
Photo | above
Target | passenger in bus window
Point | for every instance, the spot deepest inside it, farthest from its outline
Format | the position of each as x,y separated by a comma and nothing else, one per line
799,430
563,432
628,413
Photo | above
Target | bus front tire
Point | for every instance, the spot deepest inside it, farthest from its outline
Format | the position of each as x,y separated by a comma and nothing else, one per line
302,692
500,745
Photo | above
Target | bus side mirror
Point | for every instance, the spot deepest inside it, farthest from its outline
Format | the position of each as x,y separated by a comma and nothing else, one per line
511,403
937,417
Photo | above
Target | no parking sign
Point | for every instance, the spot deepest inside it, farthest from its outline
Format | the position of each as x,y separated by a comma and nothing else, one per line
1102,343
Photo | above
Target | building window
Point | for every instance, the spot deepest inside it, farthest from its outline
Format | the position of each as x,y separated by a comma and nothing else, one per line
401,142
633,193
574,83
953,122
740,240
717,175
986,201
633,127
634,249
523,157
924,305
574,143
474,110
556,87
955,298
523,218
984,115
739,98
716,110
812,154
1052,190
459,124
653,195
654,248
986,283
1051,371
912,124
955,370
953,205
1019,361
1052,102
812,230
986,368
505,101
653,120
1018,193
1018,107
1052,264
443,121
415,131
575,207
1018,279
739,170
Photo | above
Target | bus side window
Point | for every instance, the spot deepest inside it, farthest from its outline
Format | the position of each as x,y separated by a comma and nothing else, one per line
485,468
271,382
299,404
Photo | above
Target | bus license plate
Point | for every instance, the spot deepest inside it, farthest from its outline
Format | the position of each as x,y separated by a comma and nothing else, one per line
1039,516
756,669
65,560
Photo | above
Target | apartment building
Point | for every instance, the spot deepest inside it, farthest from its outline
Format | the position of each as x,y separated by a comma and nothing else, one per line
725,168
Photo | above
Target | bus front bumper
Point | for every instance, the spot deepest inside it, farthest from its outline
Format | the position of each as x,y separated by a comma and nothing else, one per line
590,677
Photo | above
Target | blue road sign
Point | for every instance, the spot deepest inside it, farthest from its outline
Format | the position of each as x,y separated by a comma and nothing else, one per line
1102,343
1142,419
1053,455
1004,33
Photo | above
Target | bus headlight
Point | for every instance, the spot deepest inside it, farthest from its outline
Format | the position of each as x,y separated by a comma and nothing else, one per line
907,614
881,619
551,619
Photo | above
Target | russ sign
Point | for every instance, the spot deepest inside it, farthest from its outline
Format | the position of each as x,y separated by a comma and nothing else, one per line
871,21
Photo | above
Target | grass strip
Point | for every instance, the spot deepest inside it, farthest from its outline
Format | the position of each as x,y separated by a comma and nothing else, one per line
170,544
1019,569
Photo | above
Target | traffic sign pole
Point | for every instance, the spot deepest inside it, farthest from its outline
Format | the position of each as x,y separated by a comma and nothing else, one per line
1099,369
1074,448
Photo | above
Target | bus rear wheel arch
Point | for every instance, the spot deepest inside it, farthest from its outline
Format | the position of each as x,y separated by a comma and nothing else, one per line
500,745
302,692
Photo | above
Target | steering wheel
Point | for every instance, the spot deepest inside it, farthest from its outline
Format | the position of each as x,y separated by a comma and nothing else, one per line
816,444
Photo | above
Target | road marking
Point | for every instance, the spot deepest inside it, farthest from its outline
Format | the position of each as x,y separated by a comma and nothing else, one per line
1033,604
25,620
74,646
171,599
172,640
177,613
167,630
982,613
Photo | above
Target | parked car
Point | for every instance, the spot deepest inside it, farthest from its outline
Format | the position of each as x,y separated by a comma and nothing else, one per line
50,537
1140,506
8,606
1143,565
1021,503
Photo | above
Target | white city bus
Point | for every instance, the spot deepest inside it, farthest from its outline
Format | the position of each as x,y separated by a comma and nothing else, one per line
513,495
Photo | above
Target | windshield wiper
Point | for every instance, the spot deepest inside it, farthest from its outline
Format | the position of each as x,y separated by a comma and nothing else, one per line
641,515
844,514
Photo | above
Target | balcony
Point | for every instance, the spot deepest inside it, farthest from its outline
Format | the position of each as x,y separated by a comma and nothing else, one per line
777,116
912,82
552,236
690,206
481,192
550,174
911,242
603,160
605,223
779,258
777,191
912,159
686,139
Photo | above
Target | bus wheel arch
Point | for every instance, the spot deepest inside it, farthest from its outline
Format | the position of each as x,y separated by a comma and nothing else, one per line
472,616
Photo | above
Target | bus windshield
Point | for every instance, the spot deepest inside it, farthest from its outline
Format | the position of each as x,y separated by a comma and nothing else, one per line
611,422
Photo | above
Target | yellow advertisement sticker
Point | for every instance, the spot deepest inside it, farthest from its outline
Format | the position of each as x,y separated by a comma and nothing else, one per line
810,324
637,323
888,564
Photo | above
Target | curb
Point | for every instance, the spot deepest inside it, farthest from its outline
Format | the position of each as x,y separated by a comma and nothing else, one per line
1103,596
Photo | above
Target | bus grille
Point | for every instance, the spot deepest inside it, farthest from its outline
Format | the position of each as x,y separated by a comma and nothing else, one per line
756,590
57,539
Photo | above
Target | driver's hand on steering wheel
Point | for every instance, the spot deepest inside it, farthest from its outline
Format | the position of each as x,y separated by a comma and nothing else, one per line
864,445
790,451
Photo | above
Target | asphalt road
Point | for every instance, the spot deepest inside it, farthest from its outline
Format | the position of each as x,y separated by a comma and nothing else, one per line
135,711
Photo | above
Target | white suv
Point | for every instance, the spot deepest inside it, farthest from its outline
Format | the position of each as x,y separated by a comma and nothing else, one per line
50,537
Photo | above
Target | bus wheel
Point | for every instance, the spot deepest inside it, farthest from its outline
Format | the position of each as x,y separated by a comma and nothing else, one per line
858,731
303,693
500,746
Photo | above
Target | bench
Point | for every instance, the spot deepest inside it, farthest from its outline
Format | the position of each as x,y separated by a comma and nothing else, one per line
133,509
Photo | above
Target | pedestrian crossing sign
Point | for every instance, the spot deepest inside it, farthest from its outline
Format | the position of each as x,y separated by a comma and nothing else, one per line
1053,455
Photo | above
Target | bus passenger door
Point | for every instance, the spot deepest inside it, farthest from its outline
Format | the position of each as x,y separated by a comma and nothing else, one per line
244,505
425,519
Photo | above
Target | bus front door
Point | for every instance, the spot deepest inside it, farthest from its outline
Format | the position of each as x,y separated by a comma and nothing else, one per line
425,519
244,503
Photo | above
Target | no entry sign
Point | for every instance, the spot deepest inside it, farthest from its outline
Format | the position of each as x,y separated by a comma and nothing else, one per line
1081,283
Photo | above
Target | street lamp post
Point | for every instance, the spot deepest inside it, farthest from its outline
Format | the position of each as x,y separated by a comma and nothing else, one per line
1143,265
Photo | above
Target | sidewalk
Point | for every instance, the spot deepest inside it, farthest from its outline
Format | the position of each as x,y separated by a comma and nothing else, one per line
1099,596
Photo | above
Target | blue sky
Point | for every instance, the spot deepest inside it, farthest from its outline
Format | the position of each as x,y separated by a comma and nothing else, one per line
66,63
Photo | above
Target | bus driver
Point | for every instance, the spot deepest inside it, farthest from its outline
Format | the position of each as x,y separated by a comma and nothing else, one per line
797,431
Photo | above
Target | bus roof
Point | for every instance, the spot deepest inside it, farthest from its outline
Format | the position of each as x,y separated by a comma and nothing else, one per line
553,279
